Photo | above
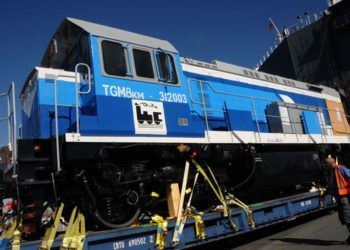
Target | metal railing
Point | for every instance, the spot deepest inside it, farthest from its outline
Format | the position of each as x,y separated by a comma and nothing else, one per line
77,93
324,125
11,124
302,23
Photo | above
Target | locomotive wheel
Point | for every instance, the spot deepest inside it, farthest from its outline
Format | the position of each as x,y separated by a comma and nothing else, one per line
112,212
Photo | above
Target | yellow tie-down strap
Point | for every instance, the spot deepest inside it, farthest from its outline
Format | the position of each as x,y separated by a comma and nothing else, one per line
8,231
13,232
162,231
231,200
226,202
217,191
200,226
16,237
50,233
16,240
75,232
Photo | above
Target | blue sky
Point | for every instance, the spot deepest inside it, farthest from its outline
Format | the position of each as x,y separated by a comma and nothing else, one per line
228,30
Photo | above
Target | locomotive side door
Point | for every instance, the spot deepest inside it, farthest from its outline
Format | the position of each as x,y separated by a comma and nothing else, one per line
165,109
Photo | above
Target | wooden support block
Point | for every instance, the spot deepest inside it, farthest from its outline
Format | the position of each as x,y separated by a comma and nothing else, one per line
173,197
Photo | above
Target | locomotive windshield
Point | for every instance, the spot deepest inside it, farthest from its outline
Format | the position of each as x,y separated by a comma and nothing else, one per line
79,53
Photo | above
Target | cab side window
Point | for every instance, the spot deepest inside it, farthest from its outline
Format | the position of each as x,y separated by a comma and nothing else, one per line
138,63
143,63
114,59
166,68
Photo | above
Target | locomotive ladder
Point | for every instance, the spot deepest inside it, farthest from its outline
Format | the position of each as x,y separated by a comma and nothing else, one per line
78,92
10,117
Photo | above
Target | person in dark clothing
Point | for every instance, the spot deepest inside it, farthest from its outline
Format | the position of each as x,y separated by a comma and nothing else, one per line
339,184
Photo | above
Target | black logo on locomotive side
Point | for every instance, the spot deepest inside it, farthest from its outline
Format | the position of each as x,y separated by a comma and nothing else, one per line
145,116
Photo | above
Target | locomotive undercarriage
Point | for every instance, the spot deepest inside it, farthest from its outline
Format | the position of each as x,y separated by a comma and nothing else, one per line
116,185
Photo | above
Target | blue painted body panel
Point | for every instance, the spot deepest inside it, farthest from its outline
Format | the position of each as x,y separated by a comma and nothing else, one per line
241,120
40,123
310,122
107,109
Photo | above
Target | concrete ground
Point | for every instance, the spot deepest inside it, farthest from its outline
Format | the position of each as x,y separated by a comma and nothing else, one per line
322,231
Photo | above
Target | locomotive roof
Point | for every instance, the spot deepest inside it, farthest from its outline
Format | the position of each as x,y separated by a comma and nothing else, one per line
259,75
71,28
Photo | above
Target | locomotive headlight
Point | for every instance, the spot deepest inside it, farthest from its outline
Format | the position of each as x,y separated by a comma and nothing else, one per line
37,148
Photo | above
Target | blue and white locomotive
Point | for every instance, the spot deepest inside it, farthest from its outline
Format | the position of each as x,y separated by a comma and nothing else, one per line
104,114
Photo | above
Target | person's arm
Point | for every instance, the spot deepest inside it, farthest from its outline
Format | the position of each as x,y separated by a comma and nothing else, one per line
345,172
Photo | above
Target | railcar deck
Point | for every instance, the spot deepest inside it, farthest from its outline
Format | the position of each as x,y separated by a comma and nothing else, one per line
217,227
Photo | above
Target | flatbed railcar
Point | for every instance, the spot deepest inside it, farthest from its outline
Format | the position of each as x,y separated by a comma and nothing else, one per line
107,116
217,228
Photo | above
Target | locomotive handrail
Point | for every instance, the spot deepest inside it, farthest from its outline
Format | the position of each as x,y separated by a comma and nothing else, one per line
205,110
247,96
252,98
78,91
238,95
11,116
58,155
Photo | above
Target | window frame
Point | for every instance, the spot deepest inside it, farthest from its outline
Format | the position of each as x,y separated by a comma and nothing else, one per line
140,78
178,83
127,62
130,63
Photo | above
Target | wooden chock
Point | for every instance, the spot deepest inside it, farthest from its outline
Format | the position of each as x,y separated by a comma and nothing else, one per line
173,198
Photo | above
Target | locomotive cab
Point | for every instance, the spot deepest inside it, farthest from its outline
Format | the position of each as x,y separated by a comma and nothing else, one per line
129,74
107,85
